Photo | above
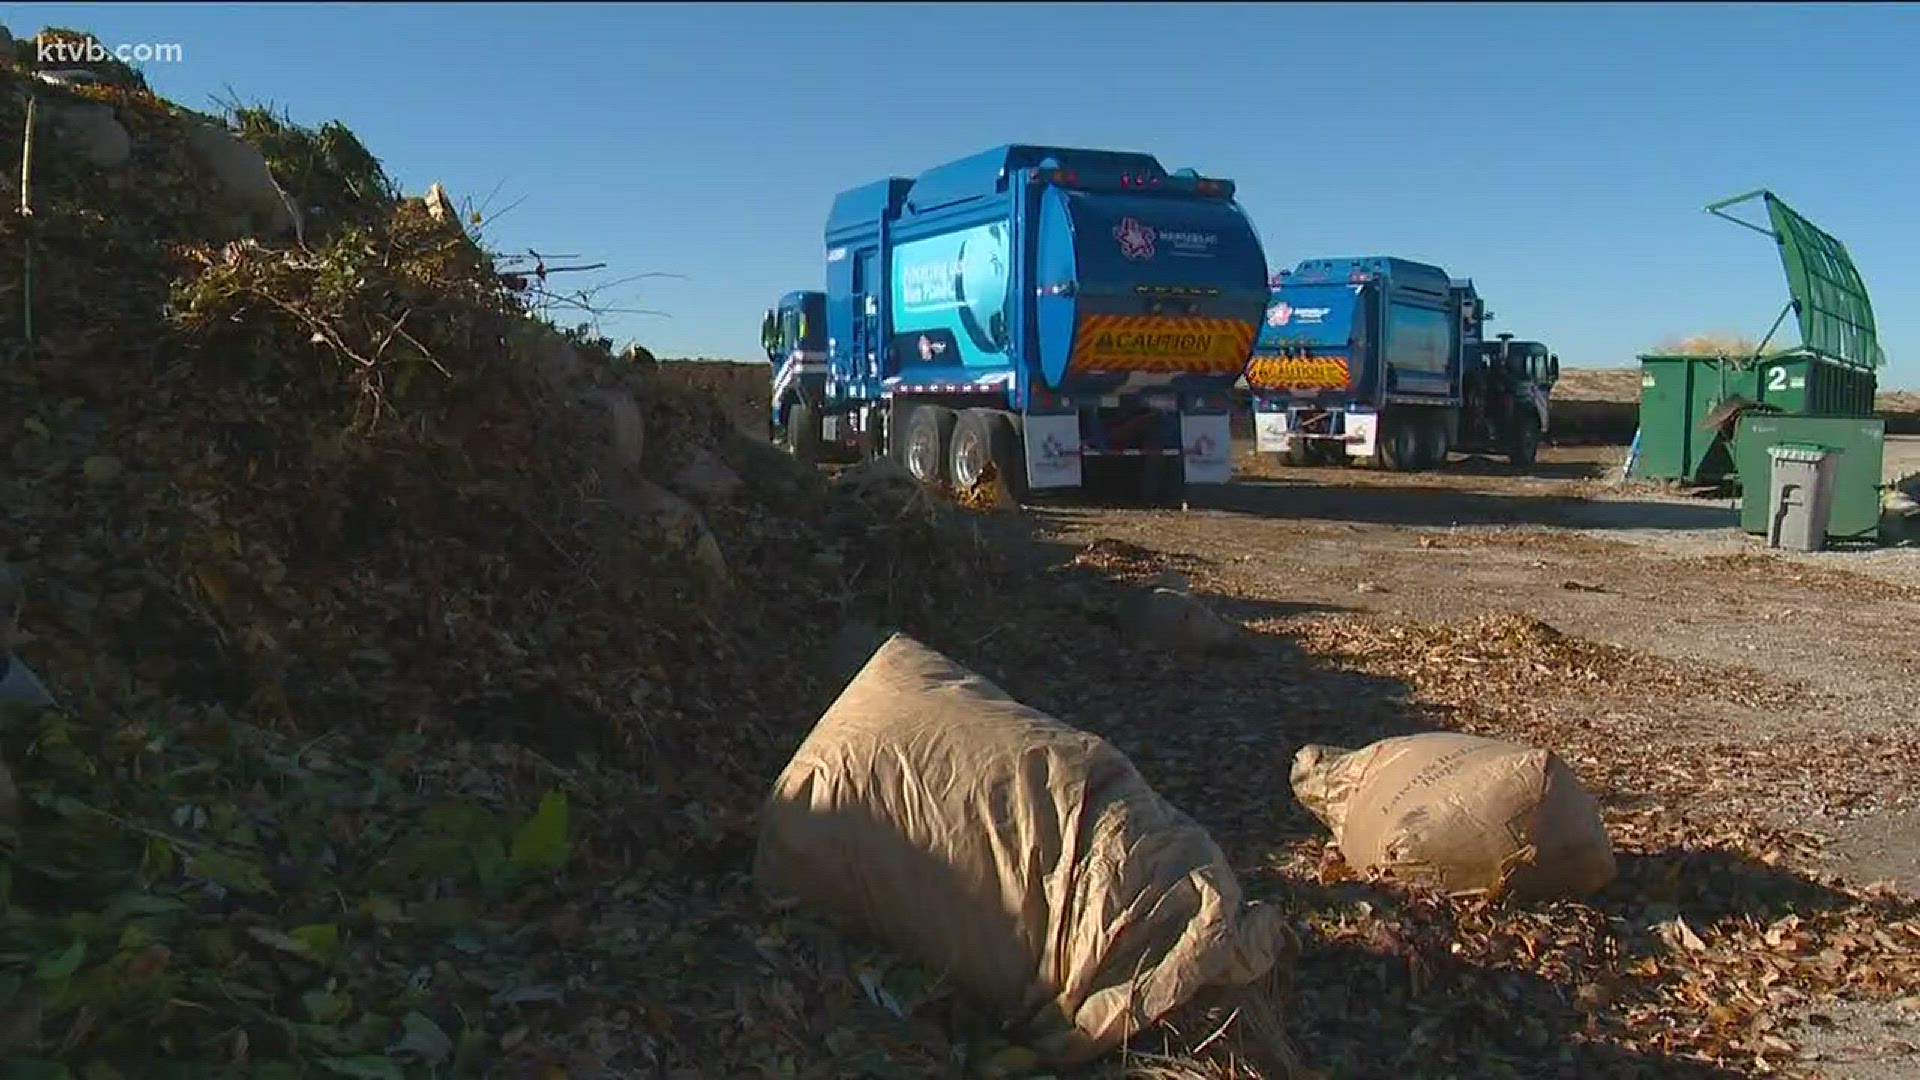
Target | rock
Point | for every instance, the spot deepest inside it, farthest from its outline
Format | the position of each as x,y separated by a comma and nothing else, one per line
554,360
675,520
89,130
707,553
242,174
704,476
1369,587
1164,620
626,428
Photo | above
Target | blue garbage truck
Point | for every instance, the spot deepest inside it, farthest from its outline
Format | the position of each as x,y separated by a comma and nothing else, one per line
1384,361
1070,318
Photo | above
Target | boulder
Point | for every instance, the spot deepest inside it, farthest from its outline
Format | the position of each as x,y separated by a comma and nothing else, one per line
89,130
1169,620
702,475
242,173
626,427
674,520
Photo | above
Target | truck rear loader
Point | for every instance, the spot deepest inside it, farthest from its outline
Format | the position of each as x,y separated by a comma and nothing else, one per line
1069,318
1383,360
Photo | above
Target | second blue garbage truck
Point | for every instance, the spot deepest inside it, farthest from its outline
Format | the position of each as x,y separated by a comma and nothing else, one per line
1384,360
1071,318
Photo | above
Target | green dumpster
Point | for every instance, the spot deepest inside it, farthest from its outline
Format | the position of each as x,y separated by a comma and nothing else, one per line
1859,445
1685,399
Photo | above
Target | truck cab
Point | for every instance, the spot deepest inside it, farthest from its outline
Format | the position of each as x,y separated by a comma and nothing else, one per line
1507,388
794,335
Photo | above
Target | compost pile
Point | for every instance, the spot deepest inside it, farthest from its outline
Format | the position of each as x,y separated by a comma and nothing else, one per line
419,665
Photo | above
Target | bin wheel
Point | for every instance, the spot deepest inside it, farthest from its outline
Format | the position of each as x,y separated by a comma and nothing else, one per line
923,450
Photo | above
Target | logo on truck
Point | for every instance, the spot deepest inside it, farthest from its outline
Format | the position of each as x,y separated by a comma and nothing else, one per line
1278,314
1136,240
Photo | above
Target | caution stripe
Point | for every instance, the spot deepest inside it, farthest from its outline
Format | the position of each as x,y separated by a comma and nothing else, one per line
1299,373
1159,344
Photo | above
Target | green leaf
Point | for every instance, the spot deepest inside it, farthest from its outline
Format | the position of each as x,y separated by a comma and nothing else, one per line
322,940
158,860
140,905
492,868
229,872
542,842
423,1039
55,968
326,1008
364,1068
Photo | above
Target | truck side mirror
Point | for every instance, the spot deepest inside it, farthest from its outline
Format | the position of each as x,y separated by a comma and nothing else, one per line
770,332
1553,369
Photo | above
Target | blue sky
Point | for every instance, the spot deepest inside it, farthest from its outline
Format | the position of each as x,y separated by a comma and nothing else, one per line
1558,154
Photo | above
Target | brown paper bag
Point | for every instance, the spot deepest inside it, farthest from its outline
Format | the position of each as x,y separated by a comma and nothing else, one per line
1460,812
1024,859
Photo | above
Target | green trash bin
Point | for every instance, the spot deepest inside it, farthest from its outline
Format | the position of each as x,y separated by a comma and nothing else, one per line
1833,372
1800,495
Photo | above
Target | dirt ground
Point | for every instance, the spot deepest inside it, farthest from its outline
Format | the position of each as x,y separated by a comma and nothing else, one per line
1741,714
1793,719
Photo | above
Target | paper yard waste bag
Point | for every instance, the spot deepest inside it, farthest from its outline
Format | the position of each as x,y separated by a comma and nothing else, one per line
1460,812
1026,860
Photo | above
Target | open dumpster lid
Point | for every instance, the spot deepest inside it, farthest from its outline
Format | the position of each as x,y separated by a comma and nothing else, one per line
1828,296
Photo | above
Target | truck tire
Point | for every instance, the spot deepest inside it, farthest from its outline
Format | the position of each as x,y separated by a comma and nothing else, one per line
802,434
924,442
1330,454
1431,437
1299,453
1525,443
982,437
1163,481
1399,447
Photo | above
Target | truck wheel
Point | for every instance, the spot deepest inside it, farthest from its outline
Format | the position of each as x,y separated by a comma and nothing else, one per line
1526,443
1299,453
1442,443
802,435
1430,438
1331,454
982,437
1163,481
923,448
1399,445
